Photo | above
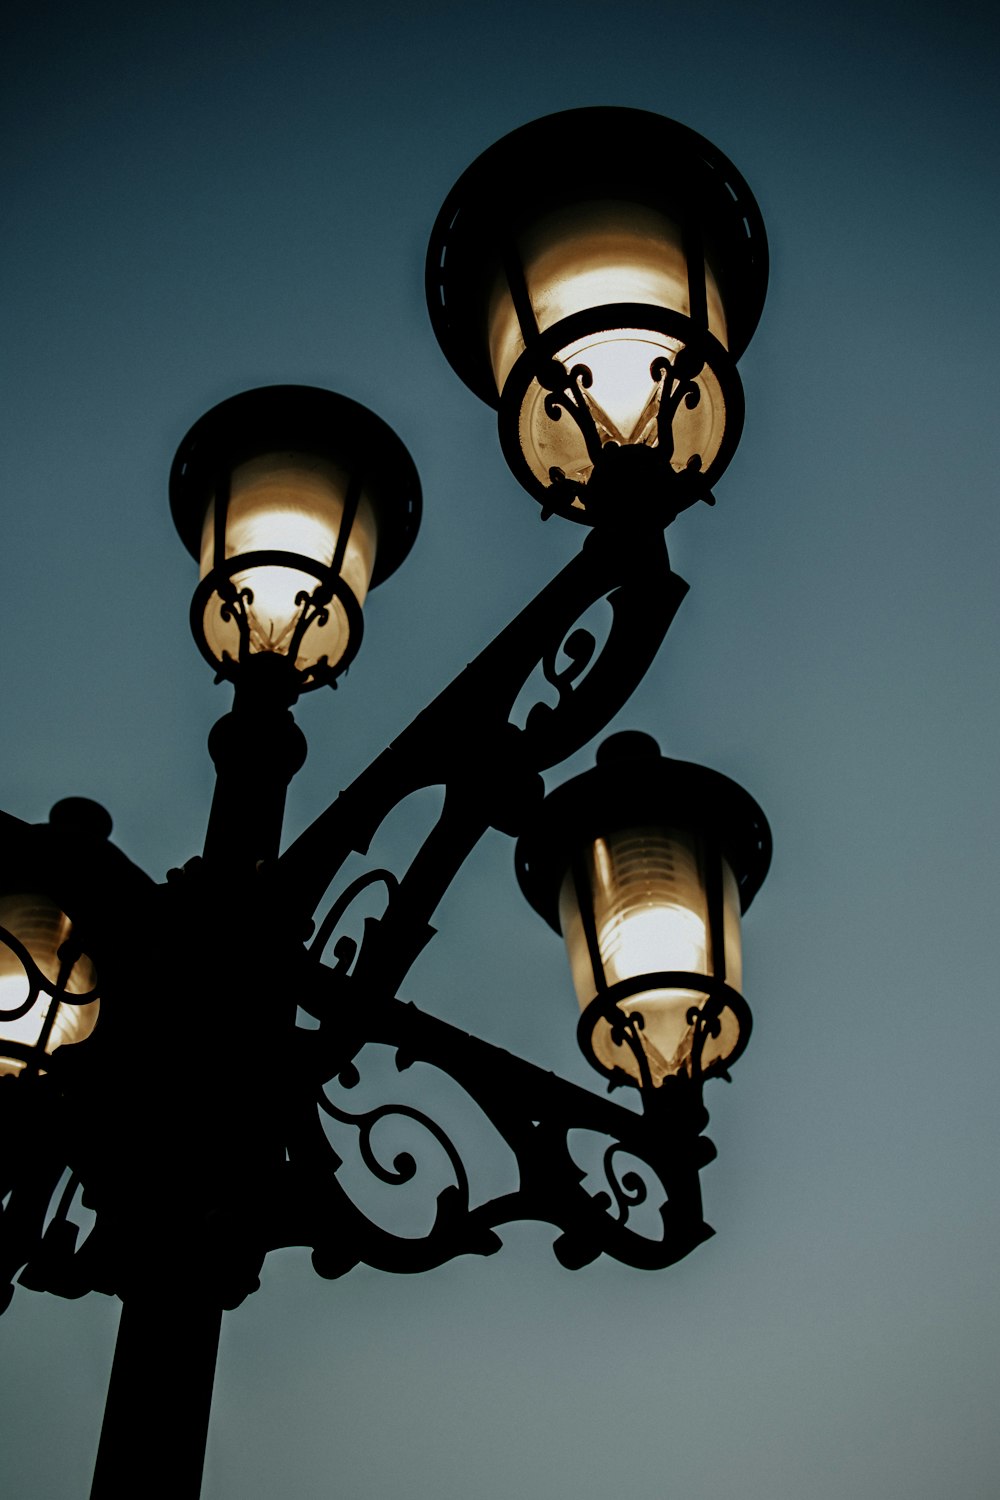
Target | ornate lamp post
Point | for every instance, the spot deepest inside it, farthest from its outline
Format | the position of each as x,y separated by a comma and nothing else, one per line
601,309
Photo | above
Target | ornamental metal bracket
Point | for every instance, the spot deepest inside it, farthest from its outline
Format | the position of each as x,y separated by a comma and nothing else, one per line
210,1176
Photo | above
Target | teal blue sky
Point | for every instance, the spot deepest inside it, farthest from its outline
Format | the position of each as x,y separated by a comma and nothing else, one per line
197,200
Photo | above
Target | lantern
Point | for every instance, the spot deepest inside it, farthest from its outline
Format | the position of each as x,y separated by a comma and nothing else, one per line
296,501
646,865
595,275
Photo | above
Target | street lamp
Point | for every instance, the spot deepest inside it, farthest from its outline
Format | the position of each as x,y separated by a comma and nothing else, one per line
296,502
595,275
645,865
601,307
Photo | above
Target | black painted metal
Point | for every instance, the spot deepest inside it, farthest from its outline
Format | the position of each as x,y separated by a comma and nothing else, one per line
146,1122
159,1396
256,748
250,1184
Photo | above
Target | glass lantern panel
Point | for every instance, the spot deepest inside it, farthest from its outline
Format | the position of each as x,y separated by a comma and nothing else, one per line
43,929
288,502
624,401
731,934
589,255
647,892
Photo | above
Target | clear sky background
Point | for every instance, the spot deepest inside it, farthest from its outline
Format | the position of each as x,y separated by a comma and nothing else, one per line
197,200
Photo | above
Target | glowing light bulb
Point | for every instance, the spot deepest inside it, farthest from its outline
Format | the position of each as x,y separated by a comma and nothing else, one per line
646,939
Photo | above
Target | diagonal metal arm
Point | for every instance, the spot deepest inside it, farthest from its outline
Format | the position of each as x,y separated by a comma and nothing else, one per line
464,739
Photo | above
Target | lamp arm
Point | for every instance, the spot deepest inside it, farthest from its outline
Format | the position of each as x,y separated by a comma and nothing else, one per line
532,1110
464,739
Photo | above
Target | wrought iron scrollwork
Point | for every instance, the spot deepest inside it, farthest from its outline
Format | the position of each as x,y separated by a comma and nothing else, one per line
579,648
567,392
534,1114
465,742
291,1190
346,947
628,1191
235,606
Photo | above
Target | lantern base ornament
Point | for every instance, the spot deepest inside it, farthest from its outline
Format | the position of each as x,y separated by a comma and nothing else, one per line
674,391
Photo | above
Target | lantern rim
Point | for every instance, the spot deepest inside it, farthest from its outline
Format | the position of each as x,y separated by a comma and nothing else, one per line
685,486
307,419
499,192
719,996
634,786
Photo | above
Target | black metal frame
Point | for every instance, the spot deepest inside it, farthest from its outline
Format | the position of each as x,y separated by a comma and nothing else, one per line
197,1166
491,778
192,1194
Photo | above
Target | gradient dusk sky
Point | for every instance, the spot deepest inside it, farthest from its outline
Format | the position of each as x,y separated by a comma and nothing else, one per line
202,199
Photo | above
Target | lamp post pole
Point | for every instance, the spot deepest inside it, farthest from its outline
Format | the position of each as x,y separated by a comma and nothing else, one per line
605,329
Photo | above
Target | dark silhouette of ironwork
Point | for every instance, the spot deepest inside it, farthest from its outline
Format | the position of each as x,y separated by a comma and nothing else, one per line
199,1151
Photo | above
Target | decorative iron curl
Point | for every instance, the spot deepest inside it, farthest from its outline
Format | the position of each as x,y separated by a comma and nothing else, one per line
404,1165
629,1190
705,1021
346,947
235,606
579,646
318,602
627,1028
586,413
534,1114
678,382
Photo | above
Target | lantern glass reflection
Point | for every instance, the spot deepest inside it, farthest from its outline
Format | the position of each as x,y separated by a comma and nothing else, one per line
292,503
45,931
582,259
646,890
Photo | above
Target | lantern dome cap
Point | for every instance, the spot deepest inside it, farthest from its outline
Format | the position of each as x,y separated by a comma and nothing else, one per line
602,152
633,785
81,815
305,418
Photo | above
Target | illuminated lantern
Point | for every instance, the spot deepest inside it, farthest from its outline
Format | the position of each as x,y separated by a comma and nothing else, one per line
645,865
595,275
48,984
295,501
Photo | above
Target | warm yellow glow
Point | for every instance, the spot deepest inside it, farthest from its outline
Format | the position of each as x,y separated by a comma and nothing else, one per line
647,893
592,254
638,941
624,401
288,502
43,929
